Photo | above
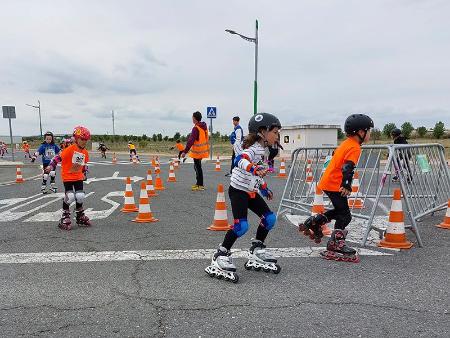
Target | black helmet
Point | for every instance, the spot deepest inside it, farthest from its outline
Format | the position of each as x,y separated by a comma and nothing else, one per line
263,120
396,132
49,133
356,122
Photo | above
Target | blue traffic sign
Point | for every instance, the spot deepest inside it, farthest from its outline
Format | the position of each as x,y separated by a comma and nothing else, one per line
211,112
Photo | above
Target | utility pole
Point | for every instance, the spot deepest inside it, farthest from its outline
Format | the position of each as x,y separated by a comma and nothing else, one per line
114,131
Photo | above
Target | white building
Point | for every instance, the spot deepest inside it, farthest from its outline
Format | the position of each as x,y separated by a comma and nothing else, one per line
308,135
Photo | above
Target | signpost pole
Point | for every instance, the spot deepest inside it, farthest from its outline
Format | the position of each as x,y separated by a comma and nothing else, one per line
210,139
11,137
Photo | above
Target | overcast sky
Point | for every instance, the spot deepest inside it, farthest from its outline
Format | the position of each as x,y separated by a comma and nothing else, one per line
156,62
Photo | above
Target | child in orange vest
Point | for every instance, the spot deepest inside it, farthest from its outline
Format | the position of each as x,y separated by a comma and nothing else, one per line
74,161
180,149
26,149
336,183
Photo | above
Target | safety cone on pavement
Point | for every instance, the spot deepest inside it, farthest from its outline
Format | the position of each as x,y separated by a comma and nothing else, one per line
19,178
172,177
145,214
395,236
150,188
220,222
309,173
217,164
153,162
157,167
319,208
446,222
282,173
354,201
158,183
114,158
129,205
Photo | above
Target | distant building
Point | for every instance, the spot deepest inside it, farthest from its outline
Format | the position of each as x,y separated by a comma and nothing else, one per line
308,135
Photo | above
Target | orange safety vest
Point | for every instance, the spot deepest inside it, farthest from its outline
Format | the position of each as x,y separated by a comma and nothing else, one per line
200,148
179,146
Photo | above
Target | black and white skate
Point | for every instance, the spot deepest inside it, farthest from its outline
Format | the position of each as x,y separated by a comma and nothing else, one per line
259,258
44,189
222,266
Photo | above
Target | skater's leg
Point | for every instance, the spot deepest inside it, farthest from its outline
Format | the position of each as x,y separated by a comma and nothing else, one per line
52,180
198,172
81,218
341,212
44,180
65,223
239,204
262,210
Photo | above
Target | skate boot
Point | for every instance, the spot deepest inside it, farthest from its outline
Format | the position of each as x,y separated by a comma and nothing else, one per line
337,249
395,179
44,189
312,227
82,219
222,266
259,258
65,223
53,187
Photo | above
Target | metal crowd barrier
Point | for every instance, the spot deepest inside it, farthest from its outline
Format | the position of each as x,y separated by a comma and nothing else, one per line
421,171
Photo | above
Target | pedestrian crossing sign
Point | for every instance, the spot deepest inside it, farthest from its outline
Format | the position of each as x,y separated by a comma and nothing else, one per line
211,112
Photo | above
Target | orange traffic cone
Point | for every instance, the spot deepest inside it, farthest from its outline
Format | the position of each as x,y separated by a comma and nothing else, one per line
158,183
172,177
446,222
145,214
129,205
282,173
354,201
395,236
157,167
153,162
217,164
220,222
319,208
150,188
114,158
309,174
19,178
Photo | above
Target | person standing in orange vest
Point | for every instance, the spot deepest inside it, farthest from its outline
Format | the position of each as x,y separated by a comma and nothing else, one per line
198,148
180,148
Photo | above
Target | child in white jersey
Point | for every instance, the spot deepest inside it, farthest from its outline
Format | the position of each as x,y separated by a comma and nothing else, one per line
246,191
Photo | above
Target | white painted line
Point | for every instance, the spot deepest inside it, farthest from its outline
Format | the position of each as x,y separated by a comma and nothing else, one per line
154,255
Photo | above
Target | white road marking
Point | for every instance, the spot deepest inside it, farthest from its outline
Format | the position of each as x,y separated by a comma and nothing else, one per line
9,215
153,255
115,176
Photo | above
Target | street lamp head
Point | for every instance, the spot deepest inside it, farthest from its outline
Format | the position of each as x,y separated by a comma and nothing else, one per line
230,31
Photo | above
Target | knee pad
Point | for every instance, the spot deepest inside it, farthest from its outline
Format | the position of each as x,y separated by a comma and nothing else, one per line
268,220
79,196
52,173
69,197
45,177
240,226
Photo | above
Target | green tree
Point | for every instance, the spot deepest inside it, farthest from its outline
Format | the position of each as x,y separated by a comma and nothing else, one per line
144,137
154,138
376,134
160,137
143,144
183,138
439,130
340,134
422,131
177,136
166,138
388,128
407,129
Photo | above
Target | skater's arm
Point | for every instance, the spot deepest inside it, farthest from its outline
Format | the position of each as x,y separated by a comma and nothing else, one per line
244,161
347,178
53,163
194,136
265,191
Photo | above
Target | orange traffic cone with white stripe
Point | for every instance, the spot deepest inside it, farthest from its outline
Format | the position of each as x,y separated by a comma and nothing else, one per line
217,164
172,177
145,214
355,202
395,236
114,158
282,173
158,183
309,174
446,222
157,167
129,205
150,188
19,178
220,222
319,208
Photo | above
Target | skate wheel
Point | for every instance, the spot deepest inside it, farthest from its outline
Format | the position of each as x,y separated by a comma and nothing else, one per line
235,279
278,269
301,227
211,274
247,267
307,232
219,276
257,268
266,269
317,240
226,278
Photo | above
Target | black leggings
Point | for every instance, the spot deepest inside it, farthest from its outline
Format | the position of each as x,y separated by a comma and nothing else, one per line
72,186
341,212
240,203
179,154
198,171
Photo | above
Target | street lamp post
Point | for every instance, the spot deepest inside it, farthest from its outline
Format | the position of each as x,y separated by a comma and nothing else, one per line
39,109
255,84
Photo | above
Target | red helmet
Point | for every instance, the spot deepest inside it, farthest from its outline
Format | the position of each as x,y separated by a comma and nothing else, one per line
81,132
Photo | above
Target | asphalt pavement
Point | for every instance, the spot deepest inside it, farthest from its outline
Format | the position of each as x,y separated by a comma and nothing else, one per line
125,279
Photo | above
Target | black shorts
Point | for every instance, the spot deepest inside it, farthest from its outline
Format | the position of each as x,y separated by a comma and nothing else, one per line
241,202
73,186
